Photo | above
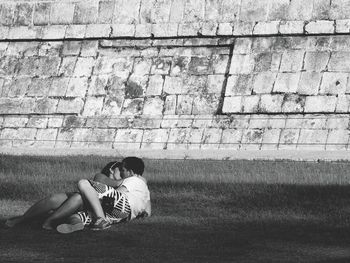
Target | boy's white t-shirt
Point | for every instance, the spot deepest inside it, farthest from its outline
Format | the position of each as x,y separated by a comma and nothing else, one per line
138,194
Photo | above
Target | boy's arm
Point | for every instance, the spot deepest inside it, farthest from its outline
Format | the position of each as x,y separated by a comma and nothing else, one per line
102,178
148,208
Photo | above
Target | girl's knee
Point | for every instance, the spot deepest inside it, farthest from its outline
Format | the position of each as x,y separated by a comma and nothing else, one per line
83,184
57,199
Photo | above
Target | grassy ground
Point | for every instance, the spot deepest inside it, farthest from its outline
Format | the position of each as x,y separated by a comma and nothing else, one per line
203,211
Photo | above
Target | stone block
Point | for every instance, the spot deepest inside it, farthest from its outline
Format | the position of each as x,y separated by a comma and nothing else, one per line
26,106
62,13
119,122
231,138
243,28
189,29
37,122
123,30
23,14
293,103
224,29
320,27
219,64
173,85
39,87
184,104
292,60
232,104
83,67
75,31
81,138
15,122
270,139
161,66
4,31
64,138
194,11
318,43
337,140
54,32
97,122
147,122
288,139
73,121
98,30
262,61
229,10
176,11
271,103
155,139
252,138
41,13
6,136
340,43
314,122
127,12
309,83
205,104
339,9
112,105
105,12
16,88
46,138
101,138
77,87
132,106
211,138
316,61
241,64
266,28
170,105
294,122
155,85
312,139
98,85
24,137
128,139
343,103
7,12
169,121
263,44
89,48
276,122
48,49
55,121
93,106
334,83
165,29
194,84
85,12
202,121
291,27
153,106
120,66
215,83
45,106
337,122
58,87
178,138
286,82
253,11
320,103
70,105
67,66
209,28
143,30
275,62
321,9
71,48
263,82
342,26
300,10
24,32
250,104
242,46
339,61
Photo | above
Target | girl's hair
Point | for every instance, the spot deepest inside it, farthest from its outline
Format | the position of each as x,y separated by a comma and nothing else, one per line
110,166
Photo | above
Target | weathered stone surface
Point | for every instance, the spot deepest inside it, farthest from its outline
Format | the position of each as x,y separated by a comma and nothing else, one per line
241,64
292,61
312,139
62,13
320,27
75,31
205,104
288,139
127,12
239,85
211,138
337,140
320,103
184,104
70,105
15,122
215,83
263,82
41,13
271,103
153,106
39,87
316,61
123,30
270,139
309,83
85,12
253,11
128,139
55,122
291,27
243,28
338,122
132,106
321,9
250,104
83,67
64,138
46,138
334,83
252,138
231,138
339,61
286,82
300,10
98,30
342,26
155,85
232,104
71,48
343,103
155,139
93,106
77,87
45,106
170,105
105,12
293,103
242,46
266,28
339,9
101,138
24,137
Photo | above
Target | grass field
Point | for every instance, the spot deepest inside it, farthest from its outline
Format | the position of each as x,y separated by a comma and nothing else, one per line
203,211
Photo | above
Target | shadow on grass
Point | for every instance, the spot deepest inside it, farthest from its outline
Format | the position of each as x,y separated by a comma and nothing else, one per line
206,222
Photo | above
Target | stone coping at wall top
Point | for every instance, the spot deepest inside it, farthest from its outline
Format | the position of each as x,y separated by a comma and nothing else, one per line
173,30
210,154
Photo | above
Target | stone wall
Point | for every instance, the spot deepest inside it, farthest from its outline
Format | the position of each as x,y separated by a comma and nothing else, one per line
229,74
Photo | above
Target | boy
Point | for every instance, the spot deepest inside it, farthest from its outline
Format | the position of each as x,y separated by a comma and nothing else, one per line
112,201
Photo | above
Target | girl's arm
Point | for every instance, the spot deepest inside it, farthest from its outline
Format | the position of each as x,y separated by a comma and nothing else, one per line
101,178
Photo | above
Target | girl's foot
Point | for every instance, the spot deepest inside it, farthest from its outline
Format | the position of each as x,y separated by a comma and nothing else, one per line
11,222
47,225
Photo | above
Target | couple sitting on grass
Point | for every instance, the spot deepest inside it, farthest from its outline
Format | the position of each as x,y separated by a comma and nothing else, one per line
118,194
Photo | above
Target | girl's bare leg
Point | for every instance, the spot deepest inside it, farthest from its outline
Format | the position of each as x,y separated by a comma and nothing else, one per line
39,208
